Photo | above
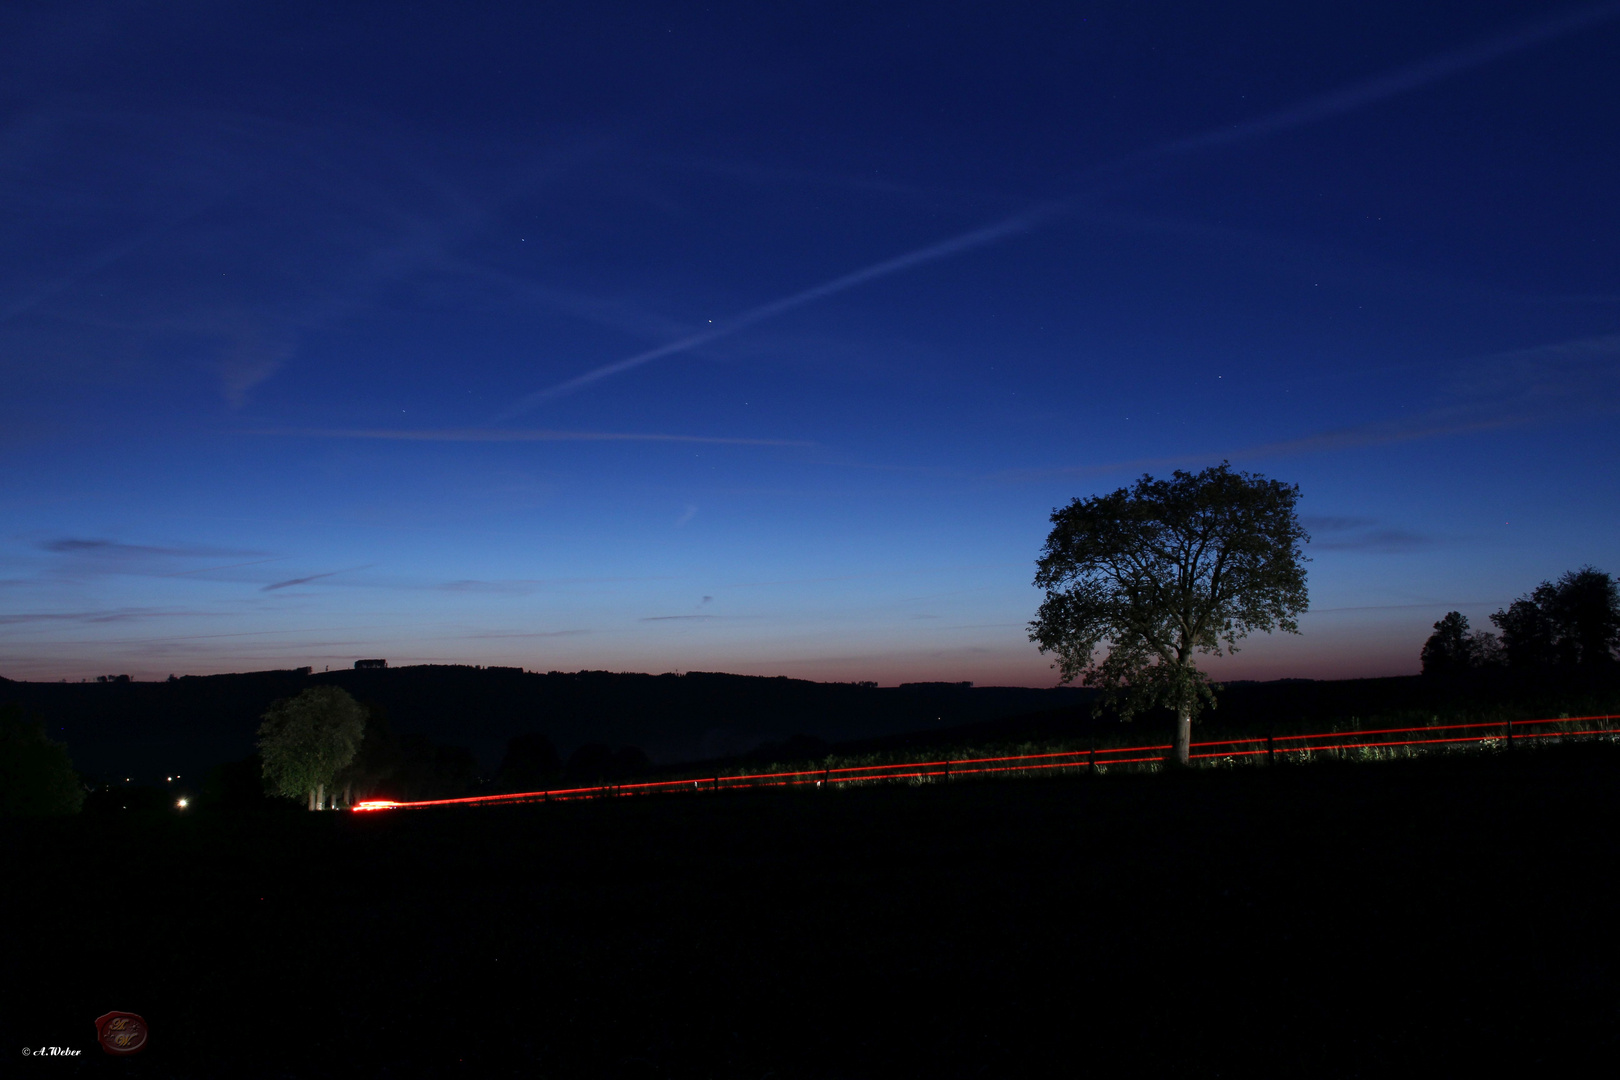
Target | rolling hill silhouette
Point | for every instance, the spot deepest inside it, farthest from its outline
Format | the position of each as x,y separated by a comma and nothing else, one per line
191,723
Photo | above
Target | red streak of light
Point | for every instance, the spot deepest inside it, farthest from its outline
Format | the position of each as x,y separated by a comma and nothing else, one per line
951,766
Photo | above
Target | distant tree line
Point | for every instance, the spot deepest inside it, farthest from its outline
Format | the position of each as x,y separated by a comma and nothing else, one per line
1566,627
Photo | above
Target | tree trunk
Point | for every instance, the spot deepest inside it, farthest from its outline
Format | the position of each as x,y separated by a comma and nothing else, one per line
320,796
1183,732
312,798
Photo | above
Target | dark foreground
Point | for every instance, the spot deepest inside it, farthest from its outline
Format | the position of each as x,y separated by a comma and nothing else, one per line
1314,920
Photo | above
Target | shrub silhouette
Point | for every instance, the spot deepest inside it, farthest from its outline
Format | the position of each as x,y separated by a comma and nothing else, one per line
36,776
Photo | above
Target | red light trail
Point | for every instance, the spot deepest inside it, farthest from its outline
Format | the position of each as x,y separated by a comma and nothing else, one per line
1081,759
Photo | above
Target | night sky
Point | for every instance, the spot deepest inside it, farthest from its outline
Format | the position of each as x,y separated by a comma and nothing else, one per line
764,338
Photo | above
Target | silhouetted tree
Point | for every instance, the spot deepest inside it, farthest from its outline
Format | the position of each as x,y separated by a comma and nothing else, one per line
1485,649
428,770
1526,636
1451,650
375,761
36,776
1162,571
1447,651
306,741
1584,610
530,763
1572,624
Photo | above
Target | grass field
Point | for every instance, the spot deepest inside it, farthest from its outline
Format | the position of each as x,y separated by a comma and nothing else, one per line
1433,915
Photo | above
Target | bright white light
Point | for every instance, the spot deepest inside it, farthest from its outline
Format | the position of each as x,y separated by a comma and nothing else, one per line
181,804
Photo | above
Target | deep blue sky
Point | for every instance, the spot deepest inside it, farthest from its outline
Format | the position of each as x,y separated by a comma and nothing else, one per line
295,302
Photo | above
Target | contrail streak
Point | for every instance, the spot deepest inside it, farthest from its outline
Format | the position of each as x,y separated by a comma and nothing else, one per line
1392,84
944,248
1321,107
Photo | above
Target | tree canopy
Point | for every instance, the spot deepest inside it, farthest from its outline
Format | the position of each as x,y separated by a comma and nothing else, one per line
1452,650
306,740
36,776
1159,572
1572,624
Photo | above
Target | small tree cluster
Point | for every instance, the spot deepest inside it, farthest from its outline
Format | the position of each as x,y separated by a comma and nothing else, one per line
1569,626
1453,650
306,741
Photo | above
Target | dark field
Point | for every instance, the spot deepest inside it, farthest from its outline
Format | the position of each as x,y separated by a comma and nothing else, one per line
1434,915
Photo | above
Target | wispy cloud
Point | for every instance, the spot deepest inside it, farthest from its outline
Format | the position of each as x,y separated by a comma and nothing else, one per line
1558,381
1363,534
1576,374
613,312
1379,541
290,582
114,615
955,245
684,618
74,545
1339,102
88,267
373,208
503,435
1359,95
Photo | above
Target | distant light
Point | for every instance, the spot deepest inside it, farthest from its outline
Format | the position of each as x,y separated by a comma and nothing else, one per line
181,804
